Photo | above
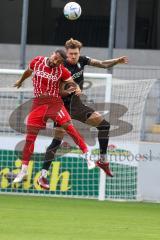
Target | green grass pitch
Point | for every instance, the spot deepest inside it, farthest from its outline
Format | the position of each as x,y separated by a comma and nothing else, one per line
37,218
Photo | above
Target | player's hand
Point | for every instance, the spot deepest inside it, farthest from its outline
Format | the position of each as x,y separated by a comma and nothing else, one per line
122,60
18,84
67,92
70,90
78,91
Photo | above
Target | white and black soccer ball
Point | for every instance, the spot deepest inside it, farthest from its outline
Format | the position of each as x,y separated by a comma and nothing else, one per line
72,10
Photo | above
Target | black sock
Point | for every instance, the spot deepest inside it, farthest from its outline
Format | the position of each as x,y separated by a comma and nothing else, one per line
50,152
103,136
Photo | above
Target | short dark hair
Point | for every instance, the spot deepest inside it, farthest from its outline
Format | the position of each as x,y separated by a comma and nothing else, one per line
62,53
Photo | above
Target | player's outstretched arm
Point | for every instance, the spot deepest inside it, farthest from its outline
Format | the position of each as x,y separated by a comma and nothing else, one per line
27,73
108,63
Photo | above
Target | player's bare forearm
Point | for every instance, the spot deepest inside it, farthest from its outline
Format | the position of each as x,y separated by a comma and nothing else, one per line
27,73
108,63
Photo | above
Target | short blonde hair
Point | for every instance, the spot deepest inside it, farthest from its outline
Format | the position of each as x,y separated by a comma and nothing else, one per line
72,43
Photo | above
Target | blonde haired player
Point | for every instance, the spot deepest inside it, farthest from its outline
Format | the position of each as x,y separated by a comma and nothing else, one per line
75,63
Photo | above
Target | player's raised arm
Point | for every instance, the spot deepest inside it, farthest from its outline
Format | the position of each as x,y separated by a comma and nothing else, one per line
27,73
108,63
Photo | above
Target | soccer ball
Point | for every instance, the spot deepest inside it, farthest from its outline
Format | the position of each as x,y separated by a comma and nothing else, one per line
72,10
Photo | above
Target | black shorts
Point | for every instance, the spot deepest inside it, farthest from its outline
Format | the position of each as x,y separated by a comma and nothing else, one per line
77,109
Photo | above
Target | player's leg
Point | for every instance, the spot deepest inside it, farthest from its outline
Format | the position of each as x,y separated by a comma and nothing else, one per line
55,144
85,114
49,157
64,120
52,148
27,152
35,122
103,127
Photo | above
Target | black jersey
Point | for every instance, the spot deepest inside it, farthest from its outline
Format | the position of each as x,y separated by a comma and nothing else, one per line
77,69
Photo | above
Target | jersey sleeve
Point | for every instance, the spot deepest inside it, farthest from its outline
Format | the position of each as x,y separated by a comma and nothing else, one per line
86,60
66,75
33,62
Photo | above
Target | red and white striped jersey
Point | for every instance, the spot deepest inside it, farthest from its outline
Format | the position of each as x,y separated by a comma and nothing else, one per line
46,80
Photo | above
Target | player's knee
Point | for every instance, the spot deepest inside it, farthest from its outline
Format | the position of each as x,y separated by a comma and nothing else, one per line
59,133
95,119
65,125
104,125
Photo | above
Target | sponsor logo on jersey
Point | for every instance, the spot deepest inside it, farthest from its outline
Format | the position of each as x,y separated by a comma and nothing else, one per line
46,75
77,75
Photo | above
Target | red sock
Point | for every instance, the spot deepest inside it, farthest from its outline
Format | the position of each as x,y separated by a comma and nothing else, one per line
77,138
